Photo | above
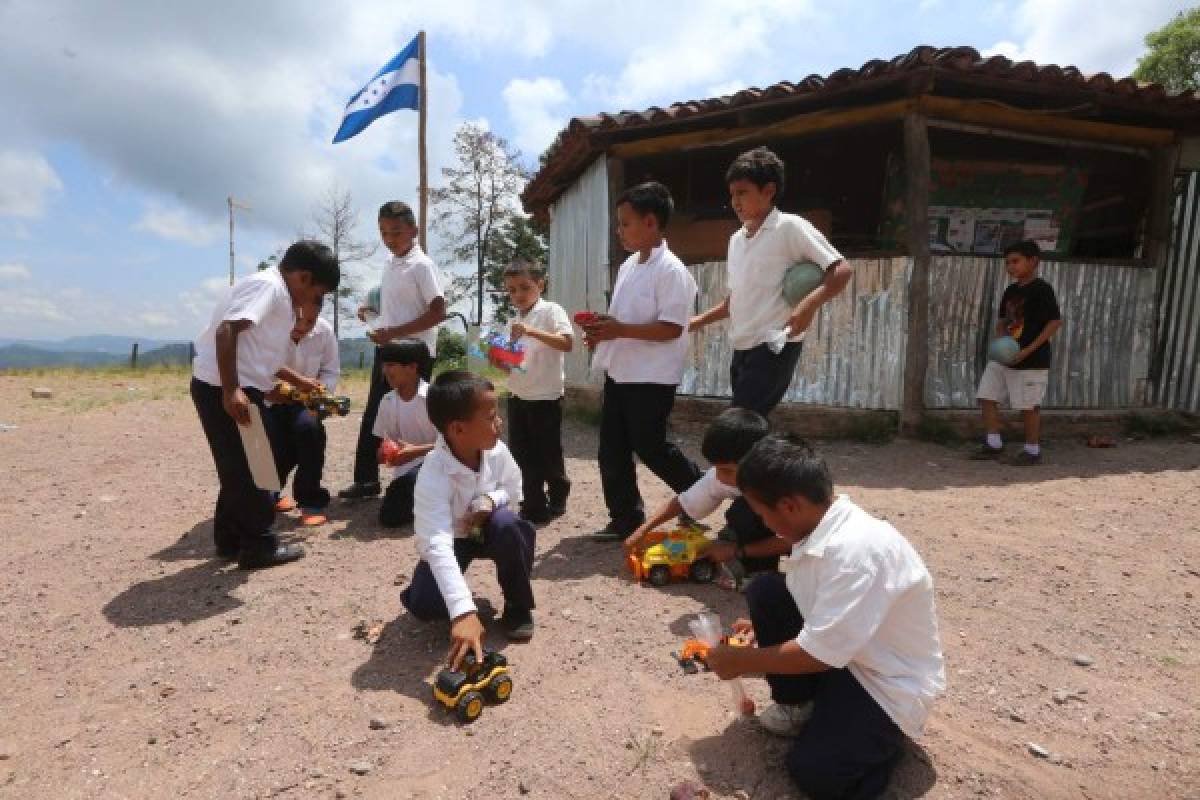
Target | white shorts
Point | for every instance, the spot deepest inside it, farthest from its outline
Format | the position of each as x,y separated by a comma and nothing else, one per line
1024,389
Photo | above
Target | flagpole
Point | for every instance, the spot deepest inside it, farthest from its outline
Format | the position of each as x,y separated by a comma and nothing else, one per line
423,189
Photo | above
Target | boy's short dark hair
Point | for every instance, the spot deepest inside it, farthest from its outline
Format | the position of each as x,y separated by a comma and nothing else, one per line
454,396
309,255
731,435
650,197
394,209
525,268
783,465
406,351
1025,247
760,166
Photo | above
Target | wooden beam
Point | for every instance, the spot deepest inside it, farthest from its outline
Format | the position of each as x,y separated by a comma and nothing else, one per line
1164,161
916,210
616,185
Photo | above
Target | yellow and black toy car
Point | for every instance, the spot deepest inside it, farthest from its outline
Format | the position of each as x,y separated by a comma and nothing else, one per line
463,692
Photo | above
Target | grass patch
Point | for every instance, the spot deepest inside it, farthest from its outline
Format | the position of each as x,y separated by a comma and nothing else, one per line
871,429
938,431
1169,660
1160,425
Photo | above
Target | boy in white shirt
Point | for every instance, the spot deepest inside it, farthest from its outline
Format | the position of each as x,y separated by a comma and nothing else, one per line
465,505
846,632
237,358
298,434
412,304
536,392
403,420
640,345
760,253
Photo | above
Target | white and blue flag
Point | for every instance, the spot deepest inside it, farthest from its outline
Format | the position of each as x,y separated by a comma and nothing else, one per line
396,86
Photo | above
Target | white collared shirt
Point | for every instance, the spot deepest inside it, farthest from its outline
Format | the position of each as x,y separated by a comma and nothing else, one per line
867,602
757,265
263,300
316,356
660,290
445,487
405,421
706,495
410,283
542,378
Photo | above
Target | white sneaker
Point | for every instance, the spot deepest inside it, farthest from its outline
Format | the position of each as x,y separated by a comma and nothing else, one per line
785,720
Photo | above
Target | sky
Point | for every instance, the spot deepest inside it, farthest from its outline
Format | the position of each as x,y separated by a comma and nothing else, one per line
126,125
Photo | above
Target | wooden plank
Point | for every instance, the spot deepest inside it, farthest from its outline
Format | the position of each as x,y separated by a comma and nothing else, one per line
616,185
1163,163
916,202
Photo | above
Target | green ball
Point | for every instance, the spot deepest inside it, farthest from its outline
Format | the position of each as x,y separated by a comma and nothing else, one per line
800,279
373,300
1003,350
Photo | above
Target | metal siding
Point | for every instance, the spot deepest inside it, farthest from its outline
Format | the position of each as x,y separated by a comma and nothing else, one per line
1101,356
578,267
1178,384
853,356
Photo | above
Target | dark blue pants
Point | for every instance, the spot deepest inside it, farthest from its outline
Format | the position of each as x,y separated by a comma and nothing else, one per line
397,507
633,421
746,527
535,439
244,513
850,745
760,378
298,441
508,540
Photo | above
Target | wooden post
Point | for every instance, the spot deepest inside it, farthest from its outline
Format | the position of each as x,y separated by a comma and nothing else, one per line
423,188
616,185
916,202
1163,163
133,356
361,359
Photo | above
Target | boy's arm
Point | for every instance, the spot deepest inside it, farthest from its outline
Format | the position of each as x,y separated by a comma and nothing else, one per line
558,341
607,328
236,404
434,528
430,317
669,511
296,379
788,658
837,276
715,314
330,371
1052,327
508,490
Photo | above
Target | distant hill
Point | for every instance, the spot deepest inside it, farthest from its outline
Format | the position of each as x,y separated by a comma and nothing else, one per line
102,343
20,356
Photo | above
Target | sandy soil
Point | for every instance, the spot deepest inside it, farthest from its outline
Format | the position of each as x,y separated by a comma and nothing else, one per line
134,665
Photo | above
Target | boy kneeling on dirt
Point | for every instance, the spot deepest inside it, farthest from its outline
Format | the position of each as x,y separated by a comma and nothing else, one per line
465,503
846,632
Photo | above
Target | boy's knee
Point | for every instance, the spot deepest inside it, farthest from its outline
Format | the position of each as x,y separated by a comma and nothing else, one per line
766,592
816,773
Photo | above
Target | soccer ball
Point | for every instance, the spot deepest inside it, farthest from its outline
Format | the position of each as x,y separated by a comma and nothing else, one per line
1003,350
799,280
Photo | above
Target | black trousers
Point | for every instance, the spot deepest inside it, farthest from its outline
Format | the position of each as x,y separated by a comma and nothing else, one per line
760,378
298,442
366,463
633,421
508,541
397,507
745,527
244,513
850,745
535,439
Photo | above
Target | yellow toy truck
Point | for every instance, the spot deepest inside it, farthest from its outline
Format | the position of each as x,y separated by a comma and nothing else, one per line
672,555
320,401
463,692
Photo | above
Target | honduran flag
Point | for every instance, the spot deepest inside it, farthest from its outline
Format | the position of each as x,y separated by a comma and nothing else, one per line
396,86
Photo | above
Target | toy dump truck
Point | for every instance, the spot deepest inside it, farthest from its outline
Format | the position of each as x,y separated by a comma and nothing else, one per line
464,691
672,555
320,400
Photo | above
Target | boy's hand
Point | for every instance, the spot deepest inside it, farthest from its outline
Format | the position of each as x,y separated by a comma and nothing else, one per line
276,397
307,384
743,627
800,319
362,313
604,329
237,405
1021,355
479,510
695,323
633,542
726,661
381,336
517,330
720,552
405,453
466,635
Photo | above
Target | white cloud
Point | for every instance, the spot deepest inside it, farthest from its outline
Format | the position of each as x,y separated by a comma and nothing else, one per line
925,6
1073,32
14,272
20,309
154,319
178,225
26,182
535,110
727,87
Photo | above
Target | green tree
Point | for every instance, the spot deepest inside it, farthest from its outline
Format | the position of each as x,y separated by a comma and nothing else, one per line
1174,54
519,237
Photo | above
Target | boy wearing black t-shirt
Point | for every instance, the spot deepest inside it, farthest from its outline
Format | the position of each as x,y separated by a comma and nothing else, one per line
1028,313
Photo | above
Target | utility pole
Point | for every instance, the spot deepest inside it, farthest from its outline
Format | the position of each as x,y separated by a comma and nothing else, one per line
232,205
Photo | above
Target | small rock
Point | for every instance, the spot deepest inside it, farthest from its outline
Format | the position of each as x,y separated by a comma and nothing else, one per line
316,773
1082,660
1062,696
378,724
151,740
1015,717
1037,750
42,393
741,794
360,767
81,513
567,613
658,730
522,787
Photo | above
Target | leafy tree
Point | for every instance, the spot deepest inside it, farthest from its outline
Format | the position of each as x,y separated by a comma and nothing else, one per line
520,237
1174,54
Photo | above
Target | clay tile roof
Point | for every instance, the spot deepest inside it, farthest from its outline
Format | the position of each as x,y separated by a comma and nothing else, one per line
575,146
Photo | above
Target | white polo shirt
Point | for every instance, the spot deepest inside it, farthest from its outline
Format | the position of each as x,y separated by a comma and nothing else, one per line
706,495
661,290
445,487
405,421
316,355
410,283
756,266
543,377
263,300
867,602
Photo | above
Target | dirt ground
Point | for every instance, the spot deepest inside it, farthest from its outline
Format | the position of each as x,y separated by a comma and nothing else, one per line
132,664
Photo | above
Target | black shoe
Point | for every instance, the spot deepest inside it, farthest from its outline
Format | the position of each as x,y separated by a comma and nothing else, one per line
283,554
228,552
557,511
613,532
985,452
517,624
536,517
357,491
1024,459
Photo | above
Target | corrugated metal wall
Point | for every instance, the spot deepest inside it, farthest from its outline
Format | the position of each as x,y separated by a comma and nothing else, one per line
578,257
853,356
1101,356
1178,384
